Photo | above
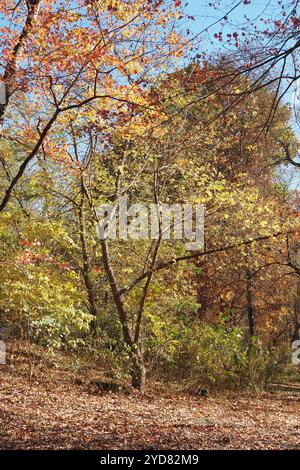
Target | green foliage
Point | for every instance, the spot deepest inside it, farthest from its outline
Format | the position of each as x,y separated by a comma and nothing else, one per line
53,269
40,298
215,357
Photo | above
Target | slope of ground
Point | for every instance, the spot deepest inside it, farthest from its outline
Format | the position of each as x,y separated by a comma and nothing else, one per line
58,414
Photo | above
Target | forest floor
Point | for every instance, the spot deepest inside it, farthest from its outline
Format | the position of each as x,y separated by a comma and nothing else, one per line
50,410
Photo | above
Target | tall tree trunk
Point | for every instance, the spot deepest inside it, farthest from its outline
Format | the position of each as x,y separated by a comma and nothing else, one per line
86,264
138,370
296,332
249,294
131,336
137,362
250,310
201,287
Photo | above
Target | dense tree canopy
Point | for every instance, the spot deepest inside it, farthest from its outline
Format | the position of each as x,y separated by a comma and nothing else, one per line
106,99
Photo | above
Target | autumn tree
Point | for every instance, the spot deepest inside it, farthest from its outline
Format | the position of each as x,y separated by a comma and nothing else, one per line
65,57
99,107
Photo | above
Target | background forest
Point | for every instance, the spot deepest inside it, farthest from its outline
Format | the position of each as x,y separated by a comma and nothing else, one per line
110,98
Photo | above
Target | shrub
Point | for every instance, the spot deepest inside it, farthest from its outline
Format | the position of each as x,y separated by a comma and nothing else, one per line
217,358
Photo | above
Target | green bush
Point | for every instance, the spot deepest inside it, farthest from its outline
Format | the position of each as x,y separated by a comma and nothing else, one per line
215,357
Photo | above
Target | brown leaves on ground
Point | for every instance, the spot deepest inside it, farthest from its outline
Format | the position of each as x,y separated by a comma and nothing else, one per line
61,415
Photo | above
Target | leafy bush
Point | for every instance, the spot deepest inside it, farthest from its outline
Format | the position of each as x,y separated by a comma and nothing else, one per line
215,357
40,298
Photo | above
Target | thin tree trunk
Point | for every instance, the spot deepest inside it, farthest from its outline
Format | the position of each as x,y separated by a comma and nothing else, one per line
27,160
11,67
201,287
86,264
116,294
137,365
249,296
138,371
296,332
249,293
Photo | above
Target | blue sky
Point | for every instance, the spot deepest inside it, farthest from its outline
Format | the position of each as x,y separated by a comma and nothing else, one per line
206,15
255,9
